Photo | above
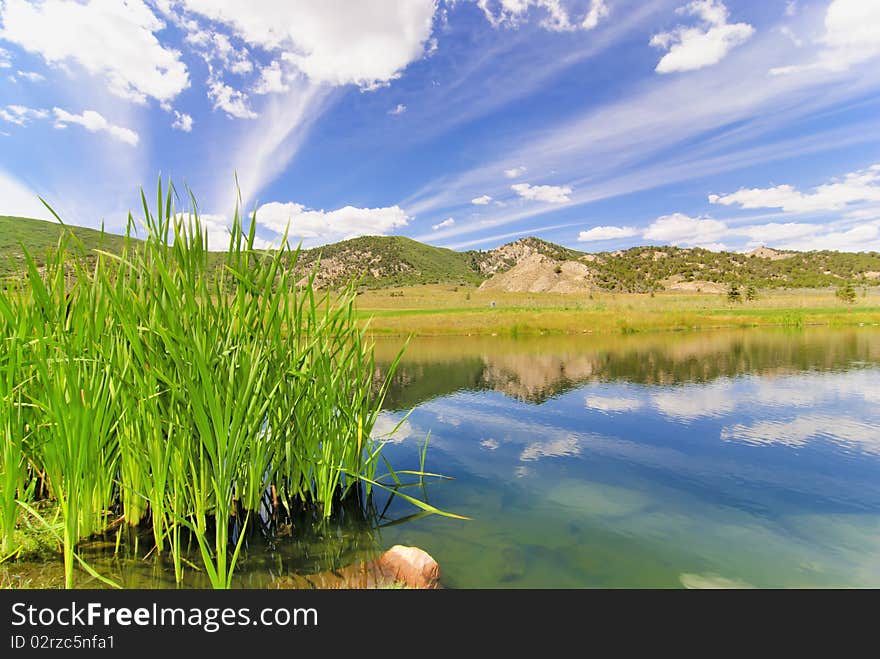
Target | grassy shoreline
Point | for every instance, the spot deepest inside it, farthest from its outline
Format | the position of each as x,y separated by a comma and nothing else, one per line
437,310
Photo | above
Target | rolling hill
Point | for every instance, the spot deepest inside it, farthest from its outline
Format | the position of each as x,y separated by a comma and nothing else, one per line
529,264
39,236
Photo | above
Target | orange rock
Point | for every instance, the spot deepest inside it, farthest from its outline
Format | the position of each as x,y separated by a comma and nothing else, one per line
411,566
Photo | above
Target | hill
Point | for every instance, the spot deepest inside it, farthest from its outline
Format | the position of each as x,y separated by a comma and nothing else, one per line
39,237
389,261
526,265
643,269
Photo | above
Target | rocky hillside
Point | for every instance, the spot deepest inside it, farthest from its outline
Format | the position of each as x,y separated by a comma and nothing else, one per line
526,265
382,261
646,269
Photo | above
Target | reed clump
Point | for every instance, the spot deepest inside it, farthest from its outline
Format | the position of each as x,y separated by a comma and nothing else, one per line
159,385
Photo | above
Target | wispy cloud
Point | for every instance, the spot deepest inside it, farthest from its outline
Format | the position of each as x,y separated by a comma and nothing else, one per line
21,115
719,114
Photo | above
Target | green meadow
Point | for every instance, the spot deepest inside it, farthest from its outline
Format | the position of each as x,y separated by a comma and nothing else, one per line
462,310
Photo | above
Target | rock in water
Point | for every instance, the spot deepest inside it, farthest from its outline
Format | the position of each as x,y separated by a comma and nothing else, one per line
411,566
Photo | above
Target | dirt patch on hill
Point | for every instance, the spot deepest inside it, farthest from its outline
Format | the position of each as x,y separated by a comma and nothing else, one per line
540,274
676,283
769,253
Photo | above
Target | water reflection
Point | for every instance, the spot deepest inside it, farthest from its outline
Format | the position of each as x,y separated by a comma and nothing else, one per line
536,369
698,460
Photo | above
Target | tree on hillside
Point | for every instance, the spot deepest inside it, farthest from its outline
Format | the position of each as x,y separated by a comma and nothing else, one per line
751,293
846,292
733,294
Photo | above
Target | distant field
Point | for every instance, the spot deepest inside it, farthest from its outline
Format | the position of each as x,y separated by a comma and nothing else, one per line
444,309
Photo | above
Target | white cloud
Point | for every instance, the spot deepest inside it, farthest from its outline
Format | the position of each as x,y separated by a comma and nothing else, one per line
232,101
110,38
512,13
612,403
606,233
391,430
235,60
554,16
777,232
681,229
860,238
94,122
448,222
788,32
800,431
481,200
852,36
21,115
790,8
598,11
5,59
552,194
695,401
399,109
555,448
20,201
266,149
217,228
182,121
272,80
33,76
859,186
705,232
515,171
372,45
347,222
691,48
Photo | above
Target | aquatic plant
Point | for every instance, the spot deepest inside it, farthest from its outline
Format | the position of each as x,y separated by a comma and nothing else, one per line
172,386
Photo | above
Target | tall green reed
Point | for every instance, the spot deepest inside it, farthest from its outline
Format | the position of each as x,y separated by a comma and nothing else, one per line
174,386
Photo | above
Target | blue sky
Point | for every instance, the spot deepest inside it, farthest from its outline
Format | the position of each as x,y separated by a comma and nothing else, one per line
596,124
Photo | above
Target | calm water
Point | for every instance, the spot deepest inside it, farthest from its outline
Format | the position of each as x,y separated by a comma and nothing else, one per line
699,459
669,460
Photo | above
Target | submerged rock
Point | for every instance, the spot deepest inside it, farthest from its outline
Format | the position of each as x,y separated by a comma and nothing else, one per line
399,567
410,566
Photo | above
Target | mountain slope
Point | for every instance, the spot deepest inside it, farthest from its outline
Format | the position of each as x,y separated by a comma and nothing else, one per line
526,265
389,261
39,236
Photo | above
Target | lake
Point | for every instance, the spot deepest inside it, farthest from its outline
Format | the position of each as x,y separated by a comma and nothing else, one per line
709,459
693,459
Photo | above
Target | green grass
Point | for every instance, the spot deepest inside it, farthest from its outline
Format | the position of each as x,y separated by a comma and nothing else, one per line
439,310
152,384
